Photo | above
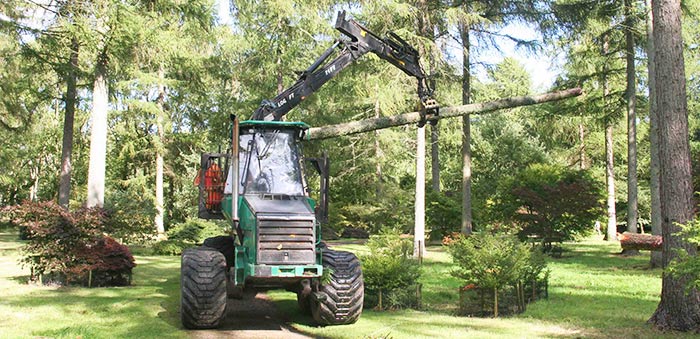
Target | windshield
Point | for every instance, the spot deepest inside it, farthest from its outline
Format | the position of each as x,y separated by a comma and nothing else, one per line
269,162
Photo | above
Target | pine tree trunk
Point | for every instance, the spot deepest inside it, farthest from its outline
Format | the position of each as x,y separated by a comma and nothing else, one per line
98,135
34,176
68,122
656,257
679,309
466,133
434,137
425,28
495,302
170,205
582,147
158,220
435,157
609,165
631,122
279,70
419,231
378,152
280,79
610,183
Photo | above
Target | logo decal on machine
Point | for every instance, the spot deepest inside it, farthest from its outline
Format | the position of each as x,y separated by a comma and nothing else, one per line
284,100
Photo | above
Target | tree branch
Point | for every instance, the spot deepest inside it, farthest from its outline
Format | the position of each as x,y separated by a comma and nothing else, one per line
367,125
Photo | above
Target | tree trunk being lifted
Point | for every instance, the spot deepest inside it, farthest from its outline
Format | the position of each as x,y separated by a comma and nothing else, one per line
635,241
446,112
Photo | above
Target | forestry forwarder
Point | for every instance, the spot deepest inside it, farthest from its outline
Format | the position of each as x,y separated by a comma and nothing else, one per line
276,238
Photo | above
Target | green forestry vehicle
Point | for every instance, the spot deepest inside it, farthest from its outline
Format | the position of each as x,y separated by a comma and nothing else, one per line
275,240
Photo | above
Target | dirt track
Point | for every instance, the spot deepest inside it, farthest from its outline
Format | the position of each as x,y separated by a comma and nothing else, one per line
252,317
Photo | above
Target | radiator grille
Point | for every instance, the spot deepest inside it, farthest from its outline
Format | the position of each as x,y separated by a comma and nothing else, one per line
286,242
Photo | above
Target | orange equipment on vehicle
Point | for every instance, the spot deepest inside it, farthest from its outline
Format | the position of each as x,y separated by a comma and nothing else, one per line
213,186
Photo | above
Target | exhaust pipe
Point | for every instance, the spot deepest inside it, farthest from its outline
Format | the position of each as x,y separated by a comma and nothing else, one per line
234,177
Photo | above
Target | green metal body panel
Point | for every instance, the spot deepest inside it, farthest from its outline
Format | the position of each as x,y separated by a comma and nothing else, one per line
279,124
246,268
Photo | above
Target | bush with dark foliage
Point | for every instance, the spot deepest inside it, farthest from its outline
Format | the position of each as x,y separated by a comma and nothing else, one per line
67,247
550,202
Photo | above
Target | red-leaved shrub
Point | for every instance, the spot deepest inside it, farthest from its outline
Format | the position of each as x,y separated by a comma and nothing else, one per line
72,247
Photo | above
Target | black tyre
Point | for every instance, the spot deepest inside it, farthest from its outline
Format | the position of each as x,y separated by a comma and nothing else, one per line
203,288
339,301
225,245
304,303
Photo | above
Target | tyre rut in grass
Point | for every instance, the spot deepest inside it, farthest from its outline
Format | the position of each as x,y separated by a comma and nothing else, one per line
203,288
344,293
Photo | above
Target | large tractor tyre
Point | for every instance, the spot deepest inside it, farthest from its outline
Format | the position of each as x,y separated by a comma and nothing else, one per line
203,288
339,301
225,245
304,303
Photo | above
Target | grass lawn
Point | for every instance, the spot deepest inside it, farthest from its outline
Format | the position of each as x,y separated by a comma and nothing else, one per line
147,309
593,293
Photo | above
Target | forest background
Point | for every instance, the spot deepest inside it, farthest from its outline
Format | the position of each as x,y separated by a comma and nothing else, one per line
175,70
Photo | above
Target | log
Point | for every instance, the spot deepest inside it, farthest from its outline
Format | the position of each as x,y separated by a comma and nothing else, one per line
372,124
635,241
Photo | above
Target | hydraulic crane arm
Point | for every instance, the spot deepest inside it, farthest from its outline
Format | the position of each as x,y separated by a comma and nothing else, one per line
361,41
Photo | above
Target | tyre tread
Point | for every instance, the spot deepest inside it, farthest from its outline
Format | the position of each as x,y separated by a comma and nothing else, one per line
344,293
203,288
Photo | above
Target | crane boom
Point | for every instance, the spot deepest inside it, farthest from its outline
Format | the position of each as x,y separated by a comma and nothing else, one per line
359,42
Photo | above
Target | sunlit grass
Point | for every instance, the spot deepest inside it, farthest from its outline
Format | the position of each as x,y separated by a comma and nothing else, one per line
593,292
147,309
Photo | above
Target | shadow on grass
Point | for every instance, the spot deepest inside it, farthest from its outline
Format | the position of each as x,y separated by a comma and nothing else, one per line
21,279
595,258
290,312
9,236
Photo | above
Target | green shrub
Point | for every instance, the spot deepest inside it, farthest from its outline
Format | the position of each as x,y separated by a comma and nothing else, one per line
6,219
394,209
170,247
7,222
131,207
489,260
686,265
493,262
194,231
443,213
389,268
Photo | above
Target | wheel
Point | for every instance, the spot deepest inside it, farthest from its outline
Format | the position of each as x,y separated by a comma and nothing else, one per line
223,244
203,288
233,291
339,301
304,303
